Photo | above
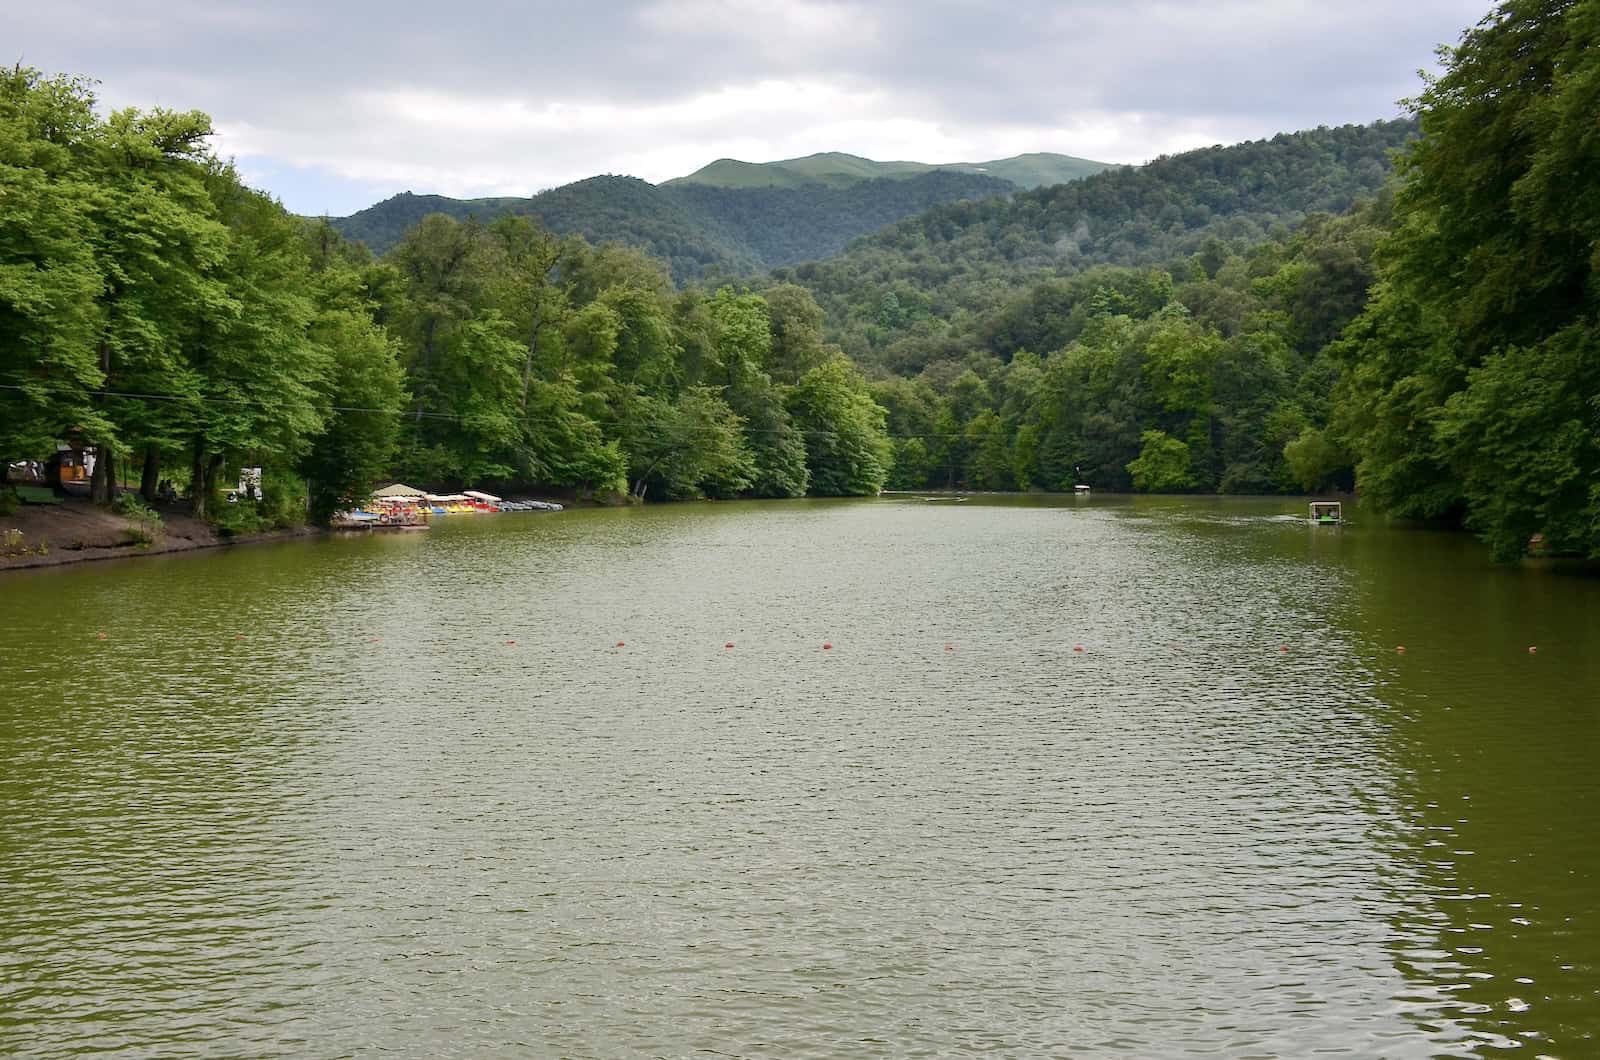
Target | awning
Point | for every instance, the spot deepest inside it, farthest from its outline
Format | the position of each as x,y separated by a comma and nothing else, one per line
475,495
398,489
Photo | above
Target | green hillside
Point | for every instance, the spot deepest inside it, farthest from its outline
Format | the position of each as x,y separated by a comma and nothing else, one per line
836,169
1035,170
1165,328
833,168
380,226
695,228
892,298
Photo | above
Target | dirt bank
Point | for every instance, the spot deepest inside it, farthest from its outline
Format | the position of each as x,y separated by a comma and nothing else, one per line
76,531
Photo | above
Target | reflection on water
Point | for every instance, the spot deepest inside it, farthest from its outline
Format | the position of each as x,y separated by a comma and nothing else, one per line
307,799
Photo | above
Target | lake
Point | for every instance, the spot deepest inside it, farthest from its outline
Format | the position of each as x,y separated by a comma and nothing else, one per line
406,794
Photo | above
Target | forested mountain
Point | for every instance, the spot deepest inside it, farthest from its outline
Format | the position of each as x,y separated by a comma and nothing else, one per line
1162,329
838,169
902,296
381,225
697,229
784,226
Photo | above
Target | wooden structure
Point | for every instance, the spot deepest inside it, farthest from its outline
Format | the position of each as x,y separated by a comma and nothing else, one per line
398,491
1327,513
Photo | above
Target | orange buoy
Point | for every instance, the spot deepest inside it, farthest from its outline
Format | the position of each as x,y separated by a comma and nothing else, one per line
728,645
510,642
238,636
949,647
1077,648
1283,647
1533,649
1400,649
827,647
622,644
102,636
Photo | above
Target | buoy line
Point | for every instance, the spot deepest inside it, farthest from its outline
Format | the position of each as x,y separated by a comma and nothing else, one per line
828,646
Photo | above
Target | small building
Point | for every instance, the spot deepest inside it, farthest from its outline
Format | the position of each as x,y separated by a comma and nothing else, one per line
76,462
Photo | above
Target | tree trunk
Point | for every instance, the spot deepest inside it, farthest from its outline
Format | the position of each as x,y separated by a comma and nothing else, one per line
197,484
212,468
152,474
102,487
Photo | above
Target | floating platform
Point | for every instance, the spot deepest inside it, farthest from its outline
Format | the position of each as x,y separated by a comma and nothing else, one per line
362,520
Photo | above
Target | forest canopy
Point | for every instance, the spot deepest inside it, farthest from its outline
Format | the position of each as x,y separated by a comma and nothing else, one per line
152,305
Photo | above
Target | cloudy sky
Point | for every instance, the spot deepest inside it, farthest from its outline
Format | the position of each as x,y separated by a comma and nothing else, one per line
334,104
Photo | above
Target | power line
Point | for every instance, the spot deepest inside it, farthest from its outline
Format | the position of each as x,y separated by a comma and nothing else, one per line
256,402
447,416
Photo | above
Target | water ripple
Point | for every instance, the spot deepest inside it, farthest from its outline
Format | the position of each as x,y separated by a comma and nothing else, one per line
309,800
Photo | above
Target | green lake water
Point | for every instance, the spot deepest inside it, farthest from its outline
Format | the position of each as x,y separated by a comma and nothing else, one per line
305,799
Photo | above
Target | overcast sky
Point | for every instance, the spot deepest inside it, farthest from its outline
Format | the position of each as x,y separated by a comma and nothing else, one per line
333,105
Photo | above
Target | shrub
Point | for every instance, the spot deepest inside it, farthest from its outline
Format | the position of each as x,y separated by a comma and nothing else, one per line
147,521
241,517
282,507
283,503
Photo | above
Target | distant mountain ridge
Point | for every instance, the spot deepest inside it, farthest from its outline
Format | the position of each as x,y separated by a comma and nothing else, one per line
696,227
836,169
892,297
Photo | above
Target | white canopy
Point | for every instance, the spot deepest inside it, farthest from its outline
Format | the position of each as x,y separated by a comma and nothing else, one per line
477,496
448,497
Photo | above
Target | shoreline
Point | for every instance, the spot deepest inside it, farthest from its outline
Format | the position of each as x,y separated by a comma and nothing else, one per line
76,531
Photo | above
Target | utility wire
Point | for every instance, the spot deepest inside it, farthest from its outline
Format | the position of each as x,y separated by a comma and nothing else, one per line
448,416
